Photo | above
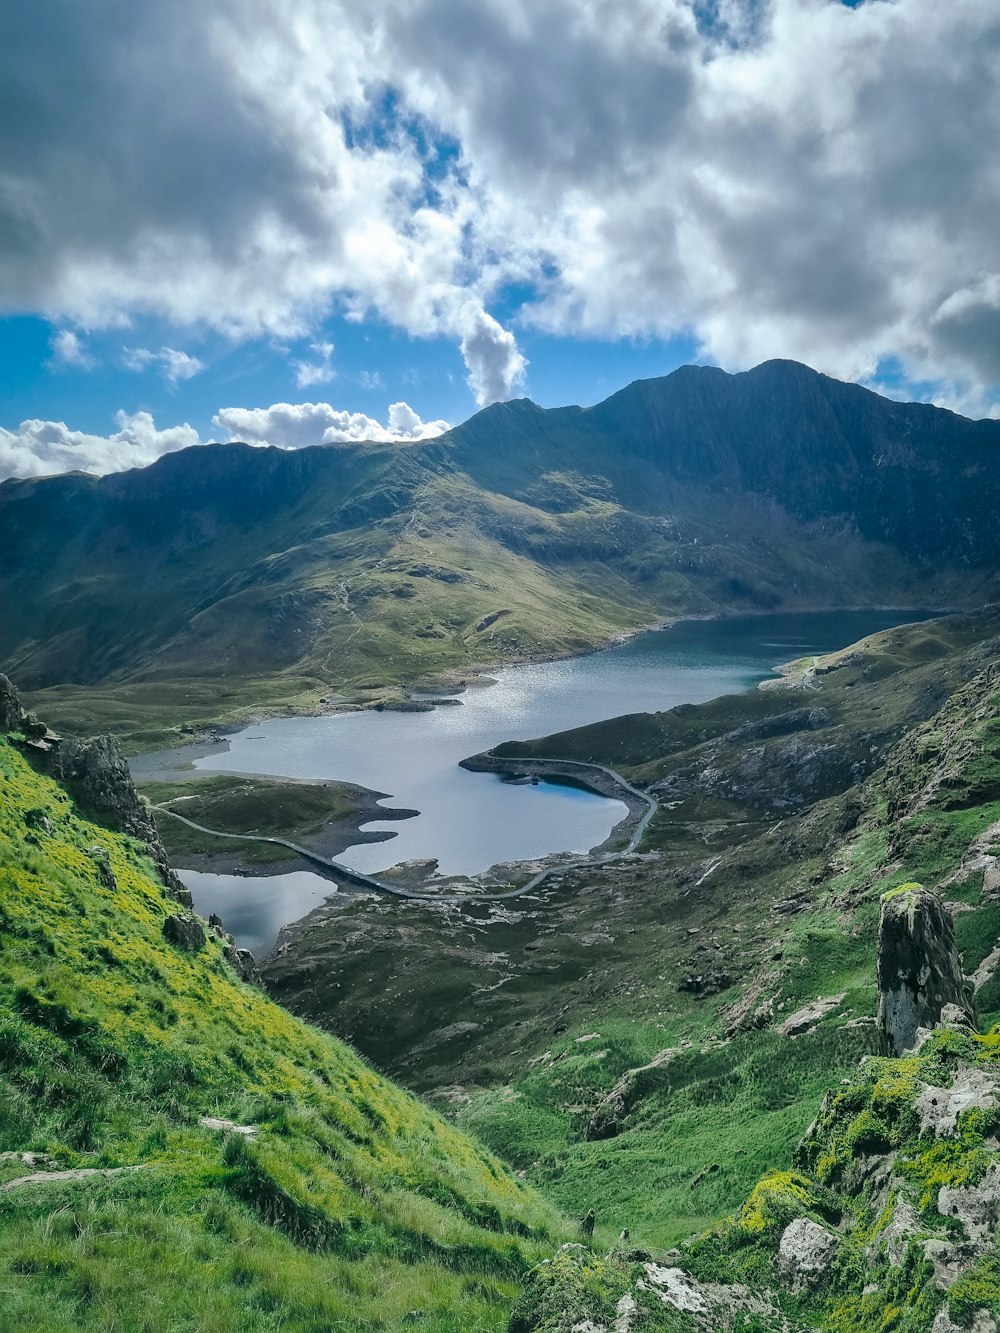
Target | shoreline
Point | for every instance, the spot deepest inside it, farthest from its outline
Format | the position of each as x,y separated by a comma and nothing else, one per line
455,681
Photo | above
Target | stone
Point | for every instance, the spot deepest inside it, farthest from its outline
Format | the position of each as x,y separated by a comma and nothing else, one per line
243,963
805,1253
982,1322
919,971
185,932
940,1108
96,775
11,711
977,1207
611,1110
809,1015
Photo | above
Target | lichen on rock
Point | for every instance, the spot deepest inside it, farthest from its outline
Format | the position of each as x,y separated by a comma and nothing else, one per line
919,970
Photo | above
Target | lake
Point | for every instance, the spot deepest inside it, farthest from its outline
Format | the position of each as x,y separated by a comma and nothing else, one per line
470,821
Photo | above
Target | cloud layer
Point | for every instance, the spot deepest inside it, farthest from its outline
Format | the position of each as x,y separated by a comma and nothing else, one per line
39,448
801,178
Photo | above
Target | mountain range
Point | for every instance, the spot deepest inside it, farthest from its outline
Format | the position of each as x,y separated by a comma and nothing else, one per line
227,576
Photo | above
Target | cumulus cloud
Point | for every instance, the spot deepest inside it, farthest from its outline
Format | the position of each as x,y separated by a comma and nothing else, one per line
38,448
175,365
318,371
69,349
801,178
295,425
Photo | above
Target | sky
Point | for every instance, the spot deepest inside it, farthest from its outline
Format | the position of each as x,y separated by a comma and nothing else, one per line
296,221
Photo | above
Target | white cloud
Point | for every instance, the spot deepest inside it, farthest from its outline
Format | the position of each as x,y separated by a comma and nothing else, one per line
774,177
319,371
295,425
38,448
174,365
69,349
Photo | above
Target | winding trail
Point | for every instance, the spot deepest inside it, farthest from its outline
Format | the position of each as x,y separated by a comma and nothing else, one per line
577,863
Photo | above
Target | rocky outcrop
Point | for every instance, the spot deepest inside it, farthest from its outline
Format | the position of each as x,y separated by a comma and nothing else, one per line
634,1084
184,931
805,1253
11,711
242,961
96,775
919,970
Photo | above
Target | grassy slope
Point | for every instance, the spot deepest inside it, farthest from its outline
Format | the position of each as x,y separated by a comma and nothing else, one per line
353,1206
605,954
298,811
863,1164
270,581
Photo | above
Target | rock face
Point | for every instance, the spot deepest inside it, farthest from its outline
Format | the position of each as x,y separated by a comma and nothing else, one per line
805,1253
919,971
97,776
185,932
11,711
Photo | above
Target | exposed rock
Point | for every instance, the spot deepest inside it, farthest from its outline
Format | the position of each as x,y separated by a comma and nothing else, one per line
243,963
982,1322
939,1108
977,1207
949,1261
805,1253
705,983
229,1126
184,931
904,1224
611,1110
806,1018
96,775
11,711
919,971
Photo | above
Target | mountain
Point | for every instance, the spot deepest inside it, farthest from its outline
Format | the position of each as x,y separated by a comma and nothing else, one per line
176,1150
226,577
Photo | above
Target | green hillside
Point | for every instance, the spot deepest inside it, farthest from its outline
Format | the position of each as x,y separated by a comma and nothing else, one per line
349,1205
225,579
616,1026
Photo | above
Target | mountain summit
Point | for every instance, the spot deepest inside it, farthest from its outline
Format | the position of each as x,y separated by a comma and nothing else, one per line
363,565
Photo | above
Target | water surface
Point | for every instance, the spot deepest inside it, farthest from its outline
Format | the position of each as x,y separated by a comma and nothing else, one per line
470,821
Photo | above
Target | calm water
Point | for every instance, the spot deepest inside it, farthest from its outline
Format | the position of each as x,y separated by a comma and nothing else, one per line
470,821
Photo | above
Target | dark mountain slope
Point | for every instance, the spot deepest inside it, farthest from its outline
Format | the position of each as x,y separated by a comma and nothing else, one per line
261,573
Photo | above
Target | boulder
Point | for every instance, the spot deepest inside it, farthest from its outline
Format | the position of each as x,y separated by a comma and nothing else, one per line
185,932
806,1018
243,963
805,1253
919,970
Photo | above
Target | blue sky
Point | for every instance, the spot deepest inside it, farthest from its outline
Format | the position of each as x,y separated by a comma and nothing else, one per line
372,365
296,222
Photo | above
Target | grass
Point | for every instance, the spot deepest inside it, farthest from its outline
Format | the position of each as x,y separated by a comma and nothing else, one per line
354,1204
298,811
782,905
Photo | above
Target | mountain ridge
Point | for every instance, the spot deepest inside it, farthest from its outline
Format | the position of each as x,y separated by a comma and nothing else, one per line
372,565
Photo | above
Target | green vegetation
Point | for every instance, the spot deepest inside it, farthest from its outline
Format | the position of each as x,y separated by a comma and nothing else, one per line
352,1206
325,814
276,580
753,906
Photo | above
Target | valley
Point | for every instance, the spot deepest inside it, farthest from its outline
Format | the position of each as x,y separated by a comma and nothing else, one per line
639,1036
